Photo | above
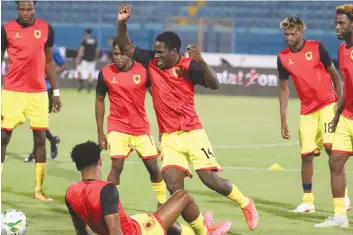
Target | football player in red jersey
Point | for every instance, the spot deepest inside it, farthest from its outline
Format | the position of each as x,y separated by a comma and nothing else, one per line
29,44
126,83
313,73
183,138
342,146
95,202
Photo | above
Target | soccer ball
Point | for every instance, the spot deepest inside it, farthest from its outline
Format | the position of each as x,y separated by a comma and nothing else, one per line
13,222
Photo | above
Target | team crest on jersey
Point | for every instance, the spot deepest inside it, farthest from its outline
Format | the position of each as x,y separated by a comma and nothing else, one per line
37,33
149,224
309,55
176,71
137,79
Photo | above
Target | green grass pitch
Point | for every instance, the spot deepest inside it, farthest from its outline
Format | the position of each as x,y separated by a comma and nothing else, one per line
245,133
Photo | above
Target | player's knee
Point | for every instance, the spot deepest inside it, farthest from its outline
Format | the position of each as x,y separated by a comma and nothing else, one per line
184,195
5,138
39,140
336,164
174,187
117,166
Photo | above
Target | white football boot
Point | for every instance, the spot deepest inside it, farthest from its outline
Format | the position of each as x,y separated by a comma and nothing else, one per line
304,208
334,221
348,204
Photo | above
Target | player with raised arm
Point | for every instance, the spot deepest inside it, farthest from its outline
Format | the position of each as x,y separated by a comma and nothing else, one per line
312,71
61,66
126,83
95,202
342,147
183,138
29,44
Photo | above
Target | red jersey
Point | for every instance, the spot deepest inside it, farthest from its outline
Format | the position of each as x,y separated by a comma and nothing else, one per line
345,56
91,200
127,92
307,68
173,92
25,46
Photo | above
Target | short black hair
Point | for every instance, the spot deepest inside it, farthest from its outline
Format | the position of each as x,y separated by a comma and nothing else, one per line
85,154
346,9
170,39
18,2
88,31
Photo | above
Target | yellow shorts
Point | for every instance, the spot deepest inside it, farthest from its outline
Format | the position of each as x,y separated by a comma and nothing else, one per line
150,224
121,145
180,148
343,138
315,130
17,106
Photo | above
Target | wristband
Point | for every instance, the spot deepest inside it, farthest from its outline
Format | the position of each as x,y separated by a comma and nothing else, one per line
56,92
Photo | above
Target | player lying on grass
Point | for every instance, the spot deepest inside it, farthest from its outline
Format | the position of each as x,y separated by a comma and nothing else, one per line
183,138
29,44
342,147
126,83
95,202
313,73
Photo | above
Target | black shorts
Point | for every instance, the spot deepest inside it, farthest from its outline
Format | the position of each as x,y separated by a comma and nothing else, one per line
51,99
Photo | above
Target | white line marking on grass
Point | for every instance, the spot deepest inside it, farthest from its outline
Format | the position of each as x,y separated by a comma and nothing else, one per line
255,145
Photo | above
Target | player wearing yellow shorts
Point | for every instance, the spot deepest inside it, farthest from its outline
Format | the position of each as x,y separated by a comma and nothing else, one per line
126,83
342,147
95,203
183,139
29,43
313,73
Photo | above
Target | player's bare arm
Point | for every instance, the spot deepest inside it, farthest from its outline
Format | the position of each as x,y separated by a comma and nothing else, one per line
79,225
4,43
61,68
124,42
50,70
340,107
79,54
101,92
283,102
211,80
336,80
113,223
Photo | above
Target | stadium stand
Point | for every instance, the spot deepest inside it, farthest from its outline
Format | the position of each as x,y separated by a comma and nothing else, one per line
252,20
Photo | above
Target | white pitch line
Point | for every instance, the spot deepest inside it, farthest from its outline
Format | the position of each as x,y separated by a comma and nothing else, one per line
255,145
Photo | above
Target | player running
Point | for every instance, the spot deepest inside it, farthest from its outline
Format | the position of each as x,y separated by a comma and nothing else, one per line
95,202
342,147
312,71
60,63
29,44
183,138
126,83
